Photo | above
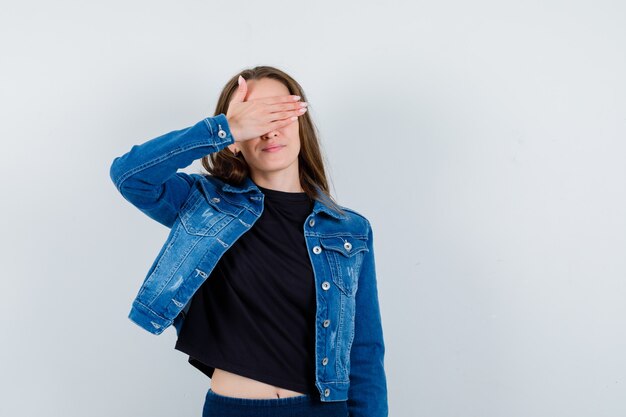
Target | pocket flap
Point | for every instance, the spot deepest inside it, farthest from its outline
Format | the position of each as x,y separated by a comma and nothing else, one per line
218,201
346,245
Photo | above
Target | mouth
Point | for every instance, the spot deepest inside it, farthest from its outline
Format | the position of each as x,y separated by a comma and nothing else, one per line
273,148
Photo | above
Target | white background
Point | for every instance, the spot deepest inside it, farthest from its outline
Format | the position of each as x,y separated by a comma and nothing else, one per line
484,140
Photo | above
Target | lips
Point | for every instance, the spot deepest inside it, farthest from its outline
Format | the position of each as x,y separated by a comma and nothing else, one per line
273,148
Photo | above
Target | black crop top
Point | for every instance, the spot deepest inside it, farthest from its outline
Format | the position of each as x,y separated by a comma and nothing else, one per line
255,313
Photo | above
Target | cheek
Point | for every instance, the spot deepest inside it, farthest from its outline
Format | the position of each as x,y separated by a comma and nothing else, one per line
293,130
248,145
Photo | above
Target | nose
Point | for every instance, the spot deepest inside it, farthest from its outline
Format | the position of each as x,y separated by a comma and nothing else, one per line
269,135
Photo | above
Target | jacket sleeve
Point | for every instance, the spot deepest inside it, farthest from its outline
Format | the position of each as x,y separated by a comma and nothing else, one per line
367,395
147,174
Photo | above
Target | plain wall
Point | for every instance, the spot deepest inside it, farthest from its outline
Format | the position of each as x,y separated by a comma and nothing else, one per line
484,141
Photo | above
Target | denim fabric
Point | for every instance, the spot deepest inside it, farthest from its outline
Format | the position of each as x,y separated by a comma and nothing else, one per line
216,405
206,216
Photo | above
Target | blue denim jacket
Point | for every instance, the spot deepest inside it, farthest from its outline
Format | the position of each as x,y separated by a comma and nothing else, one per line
206,216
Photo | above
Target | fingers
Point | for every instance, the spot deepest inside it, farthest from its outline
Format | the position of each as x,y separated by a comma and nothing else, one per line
288,114
277,99
279,124
274,108
242,90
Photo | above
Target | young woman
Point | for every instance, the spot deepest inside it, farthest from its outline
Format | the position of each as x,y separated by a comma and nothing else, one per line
270,284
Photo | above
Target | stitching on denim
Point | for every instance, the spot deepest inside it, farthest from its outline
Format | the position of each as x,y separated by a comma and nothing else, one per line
212,230
336,234
350,342
185,286
211,189
168,155
176,266
191,201
150,311
208,123
358,263
344,381
187,214
232,202
338,352
355,212
244,223
356,249
158,159
144,285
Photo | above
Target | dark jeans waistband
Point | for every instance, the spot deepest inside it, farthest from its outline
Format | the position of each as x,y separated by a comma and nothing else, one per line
307,405
272,402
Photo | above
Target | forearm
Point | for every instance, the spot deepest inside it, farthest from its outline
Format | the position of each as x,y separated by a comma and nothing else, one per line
147,175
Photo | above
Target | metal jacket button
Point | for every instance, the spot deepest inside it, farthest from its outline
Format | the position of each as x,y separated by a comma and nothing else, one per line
347,245
326,323
316,249
325,285
215,200
311,222
324,361
326,392
221,133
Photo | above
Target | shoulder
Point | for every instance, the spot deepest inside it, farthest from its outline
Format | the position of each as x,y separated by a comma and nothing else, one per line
204,185
208,182
358,219
206,178
355,214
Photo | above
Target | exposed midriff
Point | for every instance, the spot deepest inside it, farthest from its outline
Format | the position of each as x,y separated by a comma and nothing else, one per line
233,385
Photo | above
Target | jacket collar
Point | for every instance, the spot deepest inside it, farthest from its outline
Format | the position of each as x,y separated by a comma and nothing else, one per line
320,206
249,186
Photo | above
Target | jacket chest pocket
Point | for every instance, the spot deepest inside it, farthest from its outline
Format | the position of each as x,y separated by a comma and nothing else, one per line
345,256
206,217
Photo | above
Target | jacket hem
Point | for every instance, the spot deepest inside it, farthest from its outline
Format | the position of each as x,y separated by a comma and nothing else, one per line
337,391
148,319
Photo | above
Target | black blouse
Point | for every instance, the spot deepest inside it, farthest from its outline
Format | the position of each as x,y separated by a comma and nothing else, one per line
255,313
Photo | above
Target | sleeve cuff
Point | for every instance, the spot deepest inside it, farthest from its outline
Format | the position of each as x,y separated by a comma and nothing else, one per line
219,128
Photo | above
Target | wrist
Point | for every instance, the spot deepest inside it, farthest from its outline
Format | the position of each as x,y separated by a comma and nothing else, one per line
234,131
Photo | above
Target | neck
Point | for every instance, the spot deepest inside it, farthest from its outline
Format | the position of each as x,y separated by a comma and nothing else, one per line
279,180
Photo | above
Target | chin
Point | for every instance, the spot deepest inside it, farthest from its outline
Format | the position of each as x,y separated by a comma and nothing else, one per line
275,165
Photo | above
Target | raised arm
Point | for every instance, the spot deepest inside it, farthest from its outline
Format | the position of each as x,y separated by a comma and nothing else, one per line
147,174
367,395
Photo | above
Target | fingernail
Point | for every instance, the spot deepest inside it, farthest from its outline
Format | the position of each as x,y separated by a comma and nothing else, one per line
296,98
240,80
